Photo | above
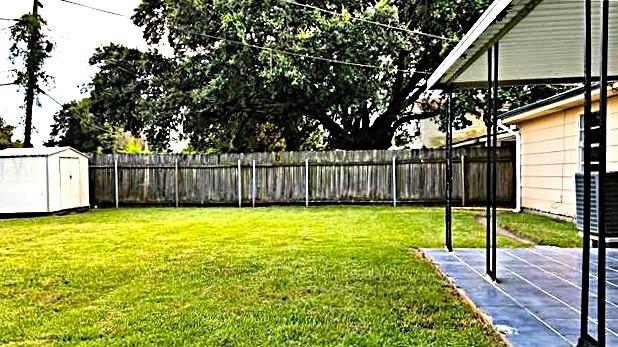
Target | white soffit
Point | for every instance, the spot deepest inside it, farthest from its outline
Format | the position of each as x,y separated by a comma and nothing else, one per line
540,42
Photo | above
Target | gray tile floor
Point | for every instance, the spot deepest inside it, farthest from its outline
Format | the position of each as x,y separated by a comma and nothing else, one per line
537,299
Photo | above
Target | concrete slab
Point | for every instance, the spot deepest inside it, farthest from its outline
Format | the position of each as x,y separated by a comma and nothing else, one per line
537,299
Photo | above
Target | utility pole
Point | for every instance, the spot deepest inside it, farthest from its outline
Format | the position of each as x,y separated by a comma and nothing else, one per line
32,82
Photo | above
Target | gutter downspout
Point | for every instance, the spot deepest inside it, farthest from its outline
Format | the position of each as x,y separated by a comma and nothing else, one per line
517,135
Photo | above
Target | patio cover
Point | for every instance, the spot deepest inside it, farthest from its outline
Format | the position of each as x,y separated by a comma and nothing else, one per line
541,42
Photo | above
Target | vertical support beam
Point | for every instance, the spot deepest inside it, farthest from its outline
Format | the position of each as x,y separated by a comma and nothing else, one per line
449,174
307,182
463,180
394,180
584,337
176,185
116,180
239,179
253,186
31,84
602,170
494,164
489,127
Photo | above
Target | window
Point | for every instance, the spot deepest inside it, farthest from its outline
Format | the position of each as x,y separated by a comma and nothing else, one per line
594,145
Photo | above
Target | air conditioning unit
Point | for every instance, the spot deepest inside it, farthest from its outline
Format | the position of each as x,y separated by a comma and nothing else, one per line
611,205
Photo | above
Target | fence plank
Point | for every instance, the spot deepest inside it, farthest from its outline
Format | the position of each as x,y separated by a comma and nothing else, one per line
335,177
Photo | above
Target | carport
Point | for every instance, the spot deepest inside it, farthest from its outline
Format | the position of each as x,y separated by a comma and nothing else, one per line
527,42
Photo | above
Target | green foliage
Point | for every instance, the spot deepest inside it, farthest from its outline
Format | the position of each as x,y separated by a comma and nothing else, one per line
474,102
136,92
6,135
27,30
75,126
129,144
242,277
221,91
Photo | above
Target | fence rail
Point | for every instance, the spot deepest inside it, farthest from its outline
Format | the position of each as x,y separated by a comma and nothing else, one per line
296,178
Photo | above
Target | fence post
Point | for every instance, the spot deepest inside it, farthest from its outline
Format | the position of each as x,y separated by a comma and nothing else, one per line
394,180
116,180
239,174
307,182
176,181
463,180
253,189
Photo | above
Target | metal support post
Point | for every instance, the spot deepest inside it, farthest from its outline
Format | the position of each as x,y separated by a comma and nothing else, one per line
307,182
601,295
494,164
394,181
116,181
176,185
449,175
239,179
253,185
489,127
585,338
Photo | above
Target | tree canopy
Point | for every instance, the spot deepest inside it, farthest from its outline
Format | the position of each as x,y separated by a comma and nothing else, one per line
248,75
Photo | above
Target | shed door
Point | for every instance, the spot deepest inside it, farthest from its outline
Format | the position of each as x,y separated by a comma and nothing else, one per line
69,183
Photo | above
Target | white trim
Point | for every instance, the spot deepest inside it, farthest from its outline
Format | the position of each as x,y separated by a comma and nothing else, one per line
518,183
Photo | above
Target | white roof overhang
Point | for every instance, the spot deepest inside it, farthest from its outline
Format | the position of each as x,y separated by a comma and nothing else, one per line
540,41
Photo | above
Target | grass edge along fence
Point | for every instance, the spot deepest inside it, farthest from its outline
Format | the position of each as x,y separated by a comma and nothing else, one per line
377,176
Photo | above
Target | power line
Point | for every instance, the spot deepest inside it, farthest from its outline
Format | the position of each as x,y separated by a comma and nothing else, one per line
7,84
384,25
10,19
51,97
96,9
276,50
301,55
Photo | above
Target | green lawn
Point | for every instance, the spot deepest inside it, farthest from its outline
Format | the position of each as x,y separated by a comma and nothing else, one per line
254,277
540,229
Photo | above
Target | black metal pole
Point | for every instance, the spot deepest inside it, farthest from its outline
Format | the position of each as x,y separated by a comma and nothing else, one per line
449,174
494,165
585,299
602,169
489,127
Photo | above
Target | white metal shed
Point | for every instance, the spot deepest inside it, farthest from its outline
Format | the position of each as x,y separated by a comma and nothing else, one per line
43,180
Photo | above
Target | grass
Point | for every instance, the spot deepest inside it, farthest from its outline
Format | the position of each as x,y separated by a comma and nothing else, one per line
343,276
540,229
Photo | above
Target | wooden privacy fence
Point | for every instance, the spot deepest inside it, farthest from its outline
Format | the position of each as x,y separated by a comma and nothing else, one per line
415,176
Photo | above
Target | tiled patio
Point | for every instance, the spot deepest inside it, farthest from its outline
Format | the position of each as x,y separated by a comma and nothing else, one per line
536,301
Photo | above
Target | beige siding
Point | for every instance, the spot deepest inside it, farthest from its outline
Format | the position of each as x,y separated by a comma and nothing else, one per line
550,157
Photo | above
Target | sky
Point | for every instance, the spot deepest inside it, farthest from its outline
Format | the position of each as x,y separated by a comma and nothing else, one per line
76,32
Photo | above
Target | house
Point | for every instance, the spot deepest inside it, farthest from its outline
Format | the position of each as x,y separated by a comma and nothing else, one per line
551,140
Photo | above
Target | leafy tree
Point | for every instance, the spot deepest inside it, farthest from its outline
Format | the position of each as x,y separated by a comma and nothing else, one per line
6,135
137,92
272,75
358,107
28,51
75,126
473,101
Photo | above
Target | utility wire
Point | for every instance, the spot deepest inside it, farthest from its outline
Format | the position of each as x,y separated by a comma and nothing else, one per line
61,105
95,8
10,19
277,50
51,97
301,55
384,25
7,84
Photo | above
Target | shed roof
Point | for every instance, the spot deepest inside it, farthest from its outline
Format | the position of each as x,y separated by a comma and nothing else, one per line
35,152
541,42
